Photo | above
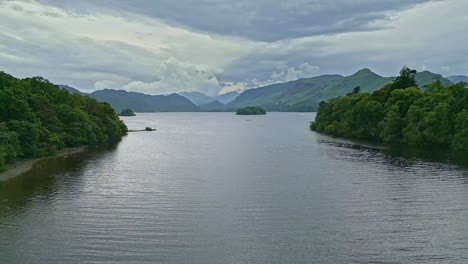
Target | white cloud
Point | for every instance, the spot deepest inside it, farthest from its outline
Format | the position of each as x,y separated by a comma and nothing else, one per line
177,76
108,48
289,74
286,73
107,84
103,50
233,87
445,69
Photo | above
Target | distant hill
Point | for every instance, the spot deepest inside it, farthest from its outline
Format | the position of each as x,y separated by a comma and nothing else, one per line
305,94
197,98
200,99
138,102
458,78
71,89
214,106
227,97
426,77
301,95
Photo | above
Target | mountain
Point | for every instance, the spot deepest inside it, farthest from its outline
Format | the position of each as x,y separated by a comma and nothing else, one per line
214,106
71,89
227,97
197,98
458,78
305,94
427,77
138,102
201,99
301,95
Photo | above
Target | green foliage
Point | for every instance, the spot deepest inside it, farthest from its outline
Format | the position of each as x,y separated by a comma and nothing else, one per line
251,110
437,116
407,78
127,112
357,89
460,138
38,118
9,145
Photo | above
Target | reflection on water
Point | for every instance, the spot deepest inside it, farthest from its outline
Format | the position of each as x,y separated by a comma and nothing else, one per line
220,188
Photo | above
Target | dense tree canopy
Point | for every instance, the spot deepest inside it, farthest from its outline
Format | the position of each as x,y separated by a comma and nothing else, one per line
37,118
400,113
251,110
127,112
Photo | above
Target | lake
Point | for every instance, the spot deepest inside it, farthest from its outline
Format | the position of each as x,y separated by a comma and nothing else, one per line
220,188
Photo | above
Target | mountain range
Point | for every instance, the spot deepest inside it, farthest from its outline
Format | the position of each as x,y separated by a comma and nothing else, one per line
199,98
305,94
302,95
458,78
138,102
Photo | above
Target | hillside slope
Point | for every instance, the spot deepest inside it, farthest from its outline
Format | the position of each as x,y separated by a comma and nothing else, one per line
227,97
197,98
458,78
306,94
71,89
138,102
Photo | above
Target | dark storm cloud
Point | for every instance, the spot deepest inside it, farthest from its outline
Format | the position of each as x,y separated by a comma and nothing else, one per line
262,20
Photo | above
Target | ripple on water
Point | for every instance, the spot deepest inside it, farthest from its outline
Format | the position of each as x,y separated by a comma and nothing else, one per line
212,188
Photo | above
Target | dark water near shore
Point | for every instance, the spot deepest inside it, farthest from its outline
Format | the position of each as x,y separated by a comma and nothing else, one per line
220,188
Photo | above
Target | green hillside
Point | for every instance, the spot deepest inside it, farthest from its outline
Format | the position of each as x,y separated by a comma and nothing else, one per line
214,106
303,95
138,102
227,97
458,78
426,78
197,98
306,94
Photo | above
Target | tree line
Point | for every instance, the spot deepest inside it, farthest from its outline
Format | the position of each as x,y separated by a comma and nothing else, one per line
37,118
400,113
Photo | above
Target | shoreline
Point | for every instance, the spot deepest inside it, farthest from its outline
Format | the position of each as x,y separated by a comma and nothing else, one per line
22,166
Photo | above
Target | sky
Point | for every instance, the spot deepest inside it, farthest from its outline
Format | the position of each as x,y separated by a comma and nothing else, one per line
217,46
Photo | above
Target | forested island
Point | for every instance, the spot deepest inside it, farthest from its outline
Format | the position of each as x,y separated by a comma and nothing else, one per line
127,112
251,110
400,112
37,118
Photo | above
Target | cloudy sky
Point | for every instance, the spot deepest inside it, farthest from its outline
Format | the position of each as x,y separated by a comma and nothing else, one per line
215,46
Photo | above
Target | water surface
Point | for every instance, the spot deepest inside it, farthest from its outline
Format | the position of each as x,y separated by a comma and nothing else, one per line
221,188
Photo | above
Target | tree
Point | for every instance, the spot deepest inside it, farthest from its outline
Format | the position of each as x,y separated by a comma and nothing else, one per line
251,110
127,112
356,89
407,78
38,118
392,125
400,113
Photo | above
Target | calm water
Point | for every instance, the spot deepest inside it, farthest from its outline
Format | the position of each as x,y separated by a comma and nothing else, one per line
220,188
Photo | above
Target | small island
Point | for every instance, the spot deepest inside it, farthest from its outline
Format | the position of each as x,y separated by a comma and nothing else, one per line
127,112
251,110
